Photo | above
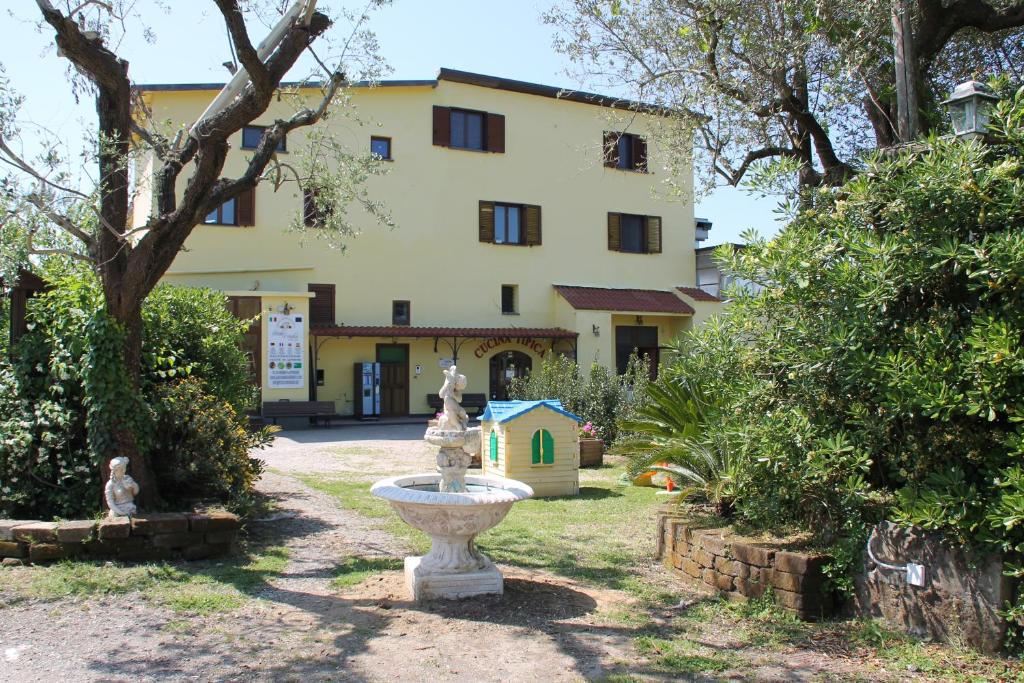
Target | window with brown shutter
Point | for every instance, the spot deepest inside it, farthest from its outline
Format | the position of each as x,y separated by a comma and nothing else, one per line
532,217
496,133
442,126
653,235
486,221
321,306
611,149
240,210
634,234
625,151
614,231
247,207
468,129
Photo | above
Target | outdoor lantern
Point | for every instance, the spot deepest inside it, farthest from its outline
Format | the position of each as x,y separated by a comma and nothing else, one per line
969,108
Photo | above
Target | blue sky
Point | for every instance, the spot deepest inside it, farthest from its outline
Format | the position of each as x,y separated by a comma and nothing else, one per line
416,37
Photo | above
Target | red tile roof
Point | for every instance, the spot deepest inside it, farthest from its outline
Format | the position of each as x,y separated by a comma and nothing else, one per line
643,300
471,332
698,294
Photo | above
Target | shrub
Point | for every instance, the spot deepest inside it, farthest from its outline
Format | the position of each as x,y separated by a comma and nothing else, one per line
600,398
201,446
880,370
51,442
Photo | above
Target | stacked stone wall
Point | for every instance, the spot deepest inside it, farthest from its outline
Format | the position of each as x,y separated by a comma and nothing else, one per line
744,570
149,537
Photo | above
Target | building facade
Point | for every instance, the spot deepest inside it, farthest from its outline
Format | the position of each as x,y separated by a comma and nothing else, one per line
527,224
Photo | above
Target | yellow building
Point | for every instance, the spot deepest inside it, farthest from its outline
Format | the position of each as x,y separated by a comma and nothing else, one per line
535,442
528,223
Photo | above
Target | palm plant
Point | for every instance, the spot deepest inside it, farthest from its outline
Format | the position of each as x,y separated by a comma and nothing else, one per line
668,434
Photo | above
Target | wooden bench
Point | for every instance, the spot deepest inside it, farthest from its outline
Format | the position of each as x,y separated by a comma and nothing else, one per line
475,401
318,410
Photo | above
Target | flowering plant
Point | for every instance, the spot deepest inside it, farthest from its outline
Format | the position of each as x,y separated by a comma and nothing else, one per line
589,431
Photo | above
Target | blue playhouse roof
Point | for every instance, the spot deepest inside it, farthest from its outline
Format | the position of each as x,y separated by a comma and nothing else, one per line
503,411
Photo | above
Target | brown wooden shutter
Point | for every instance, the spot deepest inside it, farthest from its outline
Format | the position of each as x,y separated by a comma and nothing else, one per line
610,147
246,208
442,126
653,234
496,133
532,225
614,232
321,307
487,221
639,154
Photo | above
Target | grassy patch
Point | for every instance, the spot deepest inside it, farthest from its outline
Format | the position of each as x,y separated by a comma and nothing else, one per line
201,588
681,656
355,570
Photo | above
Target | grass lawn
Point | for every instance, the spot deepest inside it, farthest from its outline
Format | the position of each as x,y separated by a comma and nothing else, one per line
189,588
598,536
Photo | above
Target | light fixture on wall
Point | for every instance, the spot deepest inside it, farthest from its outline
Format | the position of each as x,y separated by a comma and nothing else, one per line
597,331
285,308
639,320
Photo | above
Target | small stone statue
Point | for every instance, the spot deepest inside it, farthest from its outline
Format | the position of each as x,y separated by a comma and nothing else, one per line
454,417
121,489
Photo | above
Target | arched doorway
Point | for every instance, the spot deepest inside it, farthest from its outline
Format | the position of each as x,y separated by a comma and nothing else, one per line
505,367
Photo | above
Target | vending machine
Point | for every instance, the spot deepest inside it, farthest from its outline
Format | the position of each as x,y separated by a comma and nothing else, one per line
367,391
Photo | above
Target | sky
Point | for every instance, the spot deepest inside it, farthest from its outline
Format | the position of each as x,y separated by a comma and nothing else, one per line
504,38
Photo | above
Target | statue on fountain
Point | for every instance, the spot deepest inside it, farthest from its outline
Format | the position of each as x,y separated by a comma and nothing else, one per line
458,443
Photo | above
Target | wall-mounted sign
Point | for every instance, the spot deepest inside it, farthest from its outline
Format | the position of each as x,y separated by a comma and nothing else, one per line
494,342
285,352
444,363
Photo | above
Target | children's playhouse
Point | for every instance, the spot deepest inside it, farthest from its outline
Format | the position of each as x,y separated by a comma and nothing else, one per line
535,442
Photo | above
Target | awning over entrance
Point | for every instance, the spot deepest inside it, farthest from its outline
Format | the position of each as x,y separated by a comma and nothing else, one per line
452,337
624,300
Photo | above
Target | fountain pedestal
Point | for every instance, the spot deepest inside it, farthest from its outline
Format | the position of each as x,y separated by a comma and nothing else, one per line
452,508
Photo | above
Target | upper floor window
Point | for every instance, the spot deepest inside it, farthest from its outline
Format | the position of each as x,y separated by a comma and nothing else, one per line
401,313
468,129
509,299
517,224
314,209
251,136
240,210
321,306
634,234
381,147
626,151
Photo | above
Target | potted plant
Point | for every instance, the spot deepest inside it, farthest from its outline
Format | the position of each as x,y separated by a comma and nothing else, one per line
591,446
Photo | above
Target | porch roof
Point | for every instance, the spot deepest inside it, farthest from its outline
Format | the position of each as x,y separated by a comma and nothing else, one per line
624,300
434,332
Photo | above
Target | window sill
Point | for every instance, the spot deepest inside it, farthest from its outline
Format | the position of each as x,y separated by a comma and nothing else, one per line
469,149
550,464
226,225
510,312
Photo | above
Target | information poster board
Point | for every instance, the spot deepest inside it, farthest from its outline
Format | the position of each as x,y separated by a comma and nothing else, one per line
285,352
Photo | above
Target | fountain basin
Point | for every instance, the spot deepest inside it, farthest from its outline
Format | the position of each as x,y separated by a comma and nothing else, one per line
453,568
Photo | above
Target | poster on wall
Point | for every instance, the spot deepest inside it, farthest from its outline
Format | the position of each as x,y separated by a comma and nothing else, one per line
285,352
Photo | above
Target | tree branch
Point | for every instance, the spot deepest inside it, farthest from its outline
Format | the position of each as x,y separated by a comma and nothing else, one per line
243,46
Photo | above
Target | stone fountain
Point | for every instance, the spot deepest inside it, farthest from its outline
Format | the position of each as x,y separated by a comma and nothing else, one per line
452,508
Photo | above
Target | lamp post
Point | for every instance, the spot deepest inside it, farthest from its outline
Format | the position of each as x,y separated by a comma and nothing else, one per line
968,107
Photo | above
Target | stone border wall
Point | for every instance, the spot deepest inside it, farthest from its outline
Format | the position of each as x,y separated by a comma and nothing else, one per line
149,537
743,570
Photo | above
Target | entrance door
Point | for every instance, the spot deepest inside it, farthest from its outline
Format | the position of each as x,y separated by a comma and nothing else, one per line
636,339
394,379
249,308
505,367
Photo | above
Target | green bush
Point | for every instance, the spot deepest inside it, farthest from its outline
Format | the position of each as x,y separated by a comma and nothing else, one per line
201,446
64,378
880,370
600,398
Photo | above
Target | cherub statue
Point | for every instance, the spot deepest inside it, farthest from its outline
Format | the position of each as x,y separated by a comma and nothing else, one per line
454,416
121,489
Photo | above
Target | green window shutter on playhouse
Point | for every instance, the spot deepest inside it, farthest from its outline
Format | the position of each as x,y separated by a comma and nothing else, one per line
494,446
543,447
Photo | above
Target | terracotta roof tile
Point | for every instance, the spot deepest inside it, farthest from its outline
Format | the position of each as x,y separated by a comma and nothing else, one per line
643,300
472,332
698,294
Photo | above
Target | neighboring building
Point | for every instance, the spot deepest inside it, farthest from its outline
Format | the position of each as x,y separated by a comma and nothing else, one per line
527,225
535,442
712,280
